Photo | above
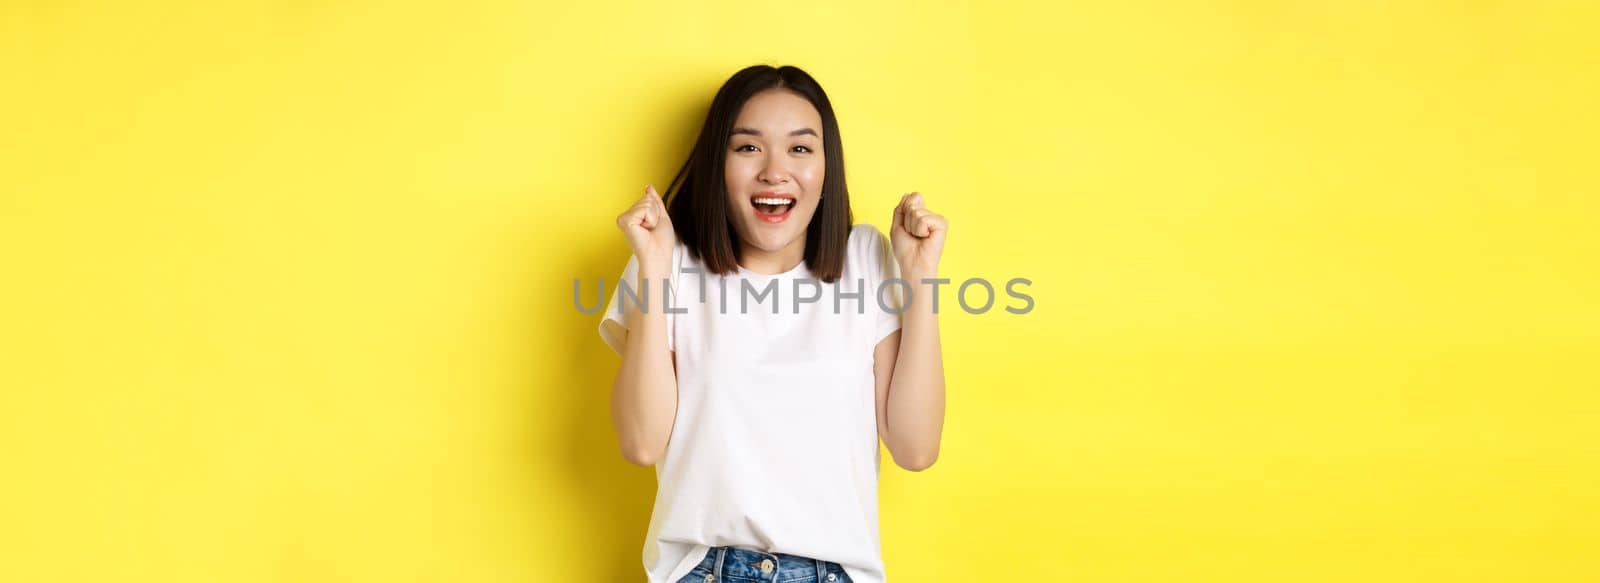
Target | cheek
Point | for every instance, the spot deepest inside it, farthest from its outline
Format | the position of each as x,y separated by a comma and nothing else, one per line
811,175
738,172
737,200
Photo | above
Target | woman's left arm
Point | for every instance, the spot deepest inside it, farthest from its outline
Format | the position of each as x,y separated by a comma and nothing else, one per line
909,363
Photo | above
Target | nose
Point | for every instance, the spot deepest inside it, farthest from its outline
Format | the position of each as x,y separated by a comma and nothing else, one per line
773,172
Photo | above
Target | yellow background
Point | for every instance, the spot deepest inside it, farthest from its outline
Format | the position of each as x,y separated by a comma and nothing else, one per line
287,286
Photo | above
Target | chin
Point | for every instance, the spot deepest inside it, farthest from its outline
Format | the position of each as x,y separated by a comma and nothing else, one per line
765,238
771,242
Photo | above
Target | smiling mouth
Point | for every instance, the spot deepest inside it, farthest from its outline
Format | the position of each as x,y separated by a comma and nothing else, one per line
772,209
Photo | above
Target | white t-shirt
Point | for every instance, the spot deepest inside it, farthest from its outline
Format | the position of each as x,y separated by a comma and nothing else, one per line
775,443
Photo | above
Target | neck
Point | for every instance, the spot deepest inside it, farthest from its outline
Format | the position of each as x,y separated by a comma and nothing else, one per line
773,262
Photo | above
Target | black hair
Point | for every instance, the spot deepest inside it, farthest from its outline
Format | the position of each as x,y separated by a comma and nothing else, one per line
697,199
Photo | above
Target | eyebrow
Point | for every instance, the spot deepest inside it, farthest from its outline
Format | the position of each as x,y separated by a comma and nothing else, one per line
757,133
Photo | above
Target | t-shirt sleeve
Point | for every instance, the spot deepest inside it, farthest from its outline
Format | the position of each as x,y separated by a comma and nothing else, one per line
883,270
614,327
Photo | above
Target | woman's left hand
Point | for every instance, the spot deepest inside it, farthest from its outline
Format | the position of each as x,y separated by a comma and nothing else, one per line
917,236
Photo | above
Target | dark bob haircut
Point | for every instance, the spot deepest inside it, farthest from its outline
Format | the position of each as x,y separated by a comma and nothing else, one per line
697,199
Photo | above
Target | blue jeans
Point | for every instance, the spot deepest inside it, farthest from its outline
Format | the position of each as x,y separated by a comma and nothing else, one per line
738,565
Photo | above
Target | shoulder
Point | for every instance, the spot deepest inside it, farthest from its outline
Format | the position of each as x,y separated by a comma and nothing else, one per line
682,256
868,247
865,237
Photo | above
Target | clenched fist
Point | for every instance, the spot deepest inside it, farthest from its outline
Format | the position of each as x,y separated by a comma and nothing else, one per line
649,232
917,236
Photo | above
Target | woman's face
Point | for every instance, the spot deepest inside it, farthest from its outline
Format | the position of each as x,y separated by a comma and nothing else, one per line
774,170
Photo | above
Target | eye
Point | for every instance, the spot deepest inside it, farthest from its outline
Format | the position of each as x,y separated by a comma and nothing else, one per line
742,148
806,148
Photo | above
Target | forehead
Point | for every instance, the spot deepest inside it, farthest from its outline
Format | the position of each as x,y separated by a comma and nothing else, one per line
779,110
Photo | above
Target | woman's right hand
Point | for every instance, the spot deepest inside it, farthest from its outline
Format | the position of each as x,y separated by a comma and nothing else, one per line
649,232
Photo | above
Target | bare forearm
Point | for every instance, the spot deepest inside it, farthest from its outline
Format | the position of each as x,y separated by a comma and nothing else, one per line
644,399
916,392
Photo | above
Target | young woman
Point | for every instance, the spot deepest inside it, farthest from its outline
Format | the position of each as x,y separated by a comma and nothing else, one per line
791,341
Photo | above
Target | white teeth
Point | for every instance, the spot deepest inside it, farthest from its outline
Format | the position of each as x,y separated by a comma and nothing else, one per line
773,200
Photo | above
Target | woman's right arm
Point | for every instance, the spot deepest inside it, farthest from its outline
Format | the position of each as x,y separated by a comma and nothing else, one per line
644,396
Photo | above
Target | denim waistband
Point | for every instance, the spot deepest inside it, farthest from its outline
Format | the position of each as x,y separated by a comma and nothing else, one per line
740,564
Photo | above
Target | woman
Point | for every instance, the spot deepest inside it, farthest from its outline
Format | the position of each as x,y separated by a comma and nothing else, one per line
791,341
